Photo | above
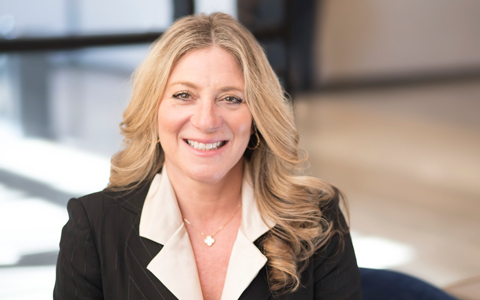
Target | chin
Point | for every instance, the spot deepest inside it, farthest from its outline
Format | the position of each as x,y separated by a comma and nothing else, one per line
207,174
212,171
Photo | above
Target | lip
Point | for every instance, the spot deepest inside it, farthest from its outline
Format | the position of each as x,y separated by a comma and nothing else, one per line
206,153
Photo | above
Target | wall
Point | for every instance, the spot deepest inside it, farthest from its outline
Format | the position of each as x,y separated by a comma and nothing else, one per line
376,38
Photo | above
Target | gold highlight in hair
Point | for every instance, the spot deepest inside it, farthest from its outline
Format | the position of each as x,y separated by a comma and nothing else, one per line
295,203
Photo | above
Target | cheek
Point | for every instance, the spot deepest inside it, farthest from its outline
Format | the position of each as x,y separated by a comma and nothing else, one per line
242,128
170,117
166,124
243,122
169,123
246,126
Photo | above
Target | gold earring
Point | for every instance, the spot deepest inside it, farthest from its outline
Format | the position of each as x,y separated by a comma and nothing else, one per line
258,141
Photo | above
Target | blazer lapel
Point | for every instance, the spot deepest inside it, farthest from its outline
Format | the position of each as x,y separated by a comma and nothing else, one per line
161,222
142,284
245,263
135,282
258,289
174,265
246,260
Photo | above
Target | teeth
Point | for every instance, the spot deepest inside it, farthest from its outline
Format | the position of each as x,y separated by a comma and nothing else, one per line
205,147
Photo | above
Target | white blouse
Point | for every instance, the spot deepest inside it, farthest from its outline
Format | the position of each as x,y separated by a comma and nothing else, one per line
175,266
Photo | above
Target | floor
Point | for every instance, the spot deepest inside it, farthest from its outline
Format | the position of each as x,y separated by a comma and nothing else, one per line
408,160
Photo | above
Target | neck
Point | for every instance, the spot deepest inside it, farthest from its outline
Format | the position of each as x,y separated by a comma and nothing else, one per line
207,204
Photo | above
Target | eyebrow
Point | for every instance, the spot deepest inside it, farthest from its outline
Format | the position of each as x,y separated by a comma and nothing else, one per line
194,86
186,83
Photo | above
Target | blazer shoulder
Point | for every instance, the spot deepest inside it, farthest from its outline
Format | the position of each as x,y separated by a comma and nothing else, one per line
131,199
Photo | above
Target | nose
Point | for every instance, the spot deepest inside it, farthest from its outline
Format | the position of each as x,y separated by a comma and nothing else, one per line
206,117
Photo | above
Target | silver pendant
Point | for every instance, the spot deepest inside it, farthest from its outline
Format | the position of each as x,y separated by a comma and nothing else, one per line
209,241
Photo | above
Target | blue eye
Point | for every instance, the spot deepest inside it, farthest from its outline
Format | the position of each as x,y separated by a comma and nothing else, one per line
235,100
181,95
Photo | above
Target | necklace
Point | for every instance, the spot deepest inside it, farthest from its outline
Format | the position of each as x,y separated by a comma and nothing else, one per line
209,238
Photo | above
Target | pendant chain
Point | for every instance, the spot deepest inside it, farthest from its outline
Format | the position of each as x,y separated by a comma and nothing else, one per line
209,238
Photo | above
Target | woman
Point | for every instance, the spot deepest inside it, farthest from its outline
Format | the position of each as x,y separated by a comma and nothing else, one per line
207,200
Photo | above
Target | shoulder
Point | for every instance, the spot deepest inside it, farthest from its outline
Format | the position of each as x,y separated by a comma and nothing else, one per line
103,220
334,220
132,199
332,212
97,207
335,267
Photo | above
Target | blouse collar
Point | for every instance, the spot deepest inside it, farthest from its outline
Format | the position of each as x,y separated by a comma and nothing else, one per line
175,266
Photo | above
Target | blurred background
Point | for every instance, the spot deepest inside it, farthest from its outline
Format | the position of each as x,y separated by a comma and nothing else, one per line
386,96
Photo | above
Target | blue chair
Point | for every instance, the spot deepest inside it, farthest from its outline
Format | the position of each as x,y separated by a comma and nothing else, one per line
391,285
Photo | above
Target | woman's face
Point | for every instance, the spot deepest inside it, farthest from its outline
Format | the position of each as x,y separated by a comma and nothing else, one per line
204,123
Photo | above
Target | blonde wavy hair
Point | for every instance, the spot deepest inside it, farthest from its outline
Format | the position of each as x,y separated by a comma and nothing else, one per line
294,202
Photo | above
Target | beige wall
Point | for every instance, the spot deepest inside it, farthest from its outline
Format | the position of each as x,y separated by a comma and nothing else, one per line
378,38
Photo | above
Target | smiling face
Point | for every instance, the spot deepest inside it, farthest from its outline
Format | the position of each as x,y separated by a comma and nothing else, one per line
204,123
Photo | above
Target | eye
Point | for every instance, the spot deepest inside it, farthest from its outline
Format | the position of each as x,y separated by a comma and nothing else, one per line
232,99
181,95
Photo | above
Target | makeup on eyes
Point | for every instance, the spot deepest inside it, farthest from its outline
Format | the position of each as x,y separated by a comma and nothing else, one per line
178,95
228,99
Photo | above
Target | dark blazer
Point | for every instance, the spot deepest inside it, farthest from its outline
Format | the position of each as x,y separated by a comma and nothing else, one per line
102,256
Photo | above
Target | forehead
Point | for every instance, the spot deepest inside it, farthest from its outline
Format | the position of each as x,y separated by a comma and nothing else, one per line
208,66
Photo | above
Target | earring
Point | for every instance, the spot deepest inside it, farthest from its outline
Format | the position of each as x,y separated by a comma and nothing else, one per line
258,140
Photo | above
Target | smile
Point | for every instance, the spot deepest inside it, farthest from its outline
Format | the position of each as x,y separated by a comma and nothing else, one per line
206,147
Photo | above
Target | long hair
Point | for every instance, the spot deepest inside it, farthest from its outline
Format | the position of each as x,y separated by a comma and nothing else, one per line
292,201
